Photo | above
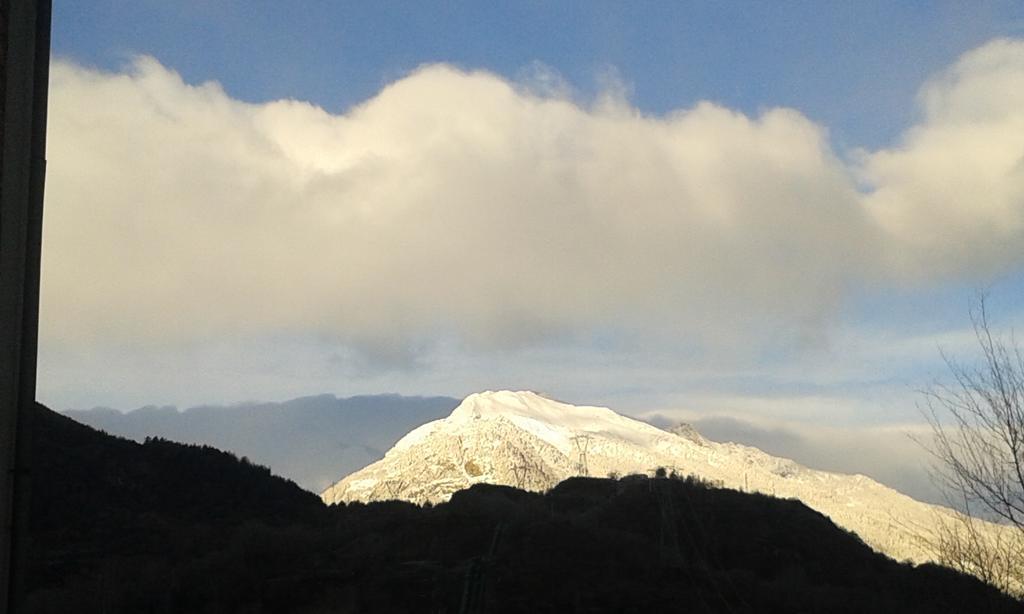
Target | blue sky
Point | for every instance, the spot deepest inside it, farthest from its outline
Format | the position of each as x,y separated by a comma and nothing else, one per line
771,213
855,67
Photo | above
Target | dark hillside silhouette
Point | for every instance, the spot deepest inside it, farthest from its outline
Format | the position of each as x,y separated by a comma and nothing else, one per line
164,527
91,472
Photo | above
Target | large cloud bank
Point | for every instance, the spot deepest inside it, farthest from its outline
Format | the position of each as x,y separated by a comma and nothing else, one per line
460,205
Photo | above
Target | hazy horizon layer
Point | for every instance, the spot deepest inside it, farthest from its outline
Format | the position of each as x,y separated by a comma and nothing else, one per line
314,440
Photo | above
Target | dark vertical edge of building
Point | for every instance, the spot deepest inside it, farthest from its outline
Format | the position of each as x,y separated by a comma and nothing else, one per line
6,336
24,76
4,21
11,274
30,303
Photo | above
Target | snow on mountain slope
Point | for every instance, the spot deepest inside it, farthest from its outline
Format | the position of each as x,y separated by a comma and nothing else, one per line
523,439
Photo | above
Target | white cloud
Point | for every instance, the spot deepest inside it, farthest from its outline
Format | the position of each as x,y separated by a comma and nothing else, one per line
459,205
951,194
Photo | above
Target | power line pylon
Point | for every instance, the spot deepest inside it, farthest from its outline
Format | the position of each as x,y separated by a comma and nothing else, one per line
394,488
525,471
581,442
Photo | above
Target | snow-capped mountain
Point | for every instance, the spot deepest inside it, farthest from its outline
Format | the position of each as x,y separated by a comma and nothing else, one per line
523,439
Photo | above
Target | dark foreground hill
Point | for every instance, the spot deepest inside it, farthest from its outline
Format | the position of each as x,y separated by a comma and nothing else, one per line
162,527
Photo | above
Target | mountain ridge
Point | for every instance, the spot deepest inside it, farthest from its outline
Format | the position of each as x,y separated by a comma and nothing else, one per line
120,527
525,440
300,438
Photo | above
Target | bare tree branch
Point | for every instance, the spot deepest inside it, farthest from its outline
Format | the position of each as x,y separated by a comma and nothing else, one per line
977,422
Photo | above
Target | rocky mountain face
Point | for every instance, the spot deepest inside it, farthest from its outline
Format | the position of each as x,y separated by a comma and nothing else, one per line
524,440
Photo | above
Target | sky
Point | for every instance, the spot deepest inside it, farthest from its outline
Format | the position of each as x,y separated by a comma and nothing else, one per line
773,216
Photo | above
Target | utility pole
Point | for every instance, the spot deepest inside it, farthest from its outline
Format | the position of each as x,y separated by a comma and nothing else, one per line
24,75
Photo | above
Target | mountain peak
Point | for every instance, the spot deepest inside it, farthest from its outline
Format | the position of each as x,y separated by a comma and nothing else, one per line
498,401
553,422
524,403
522,439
